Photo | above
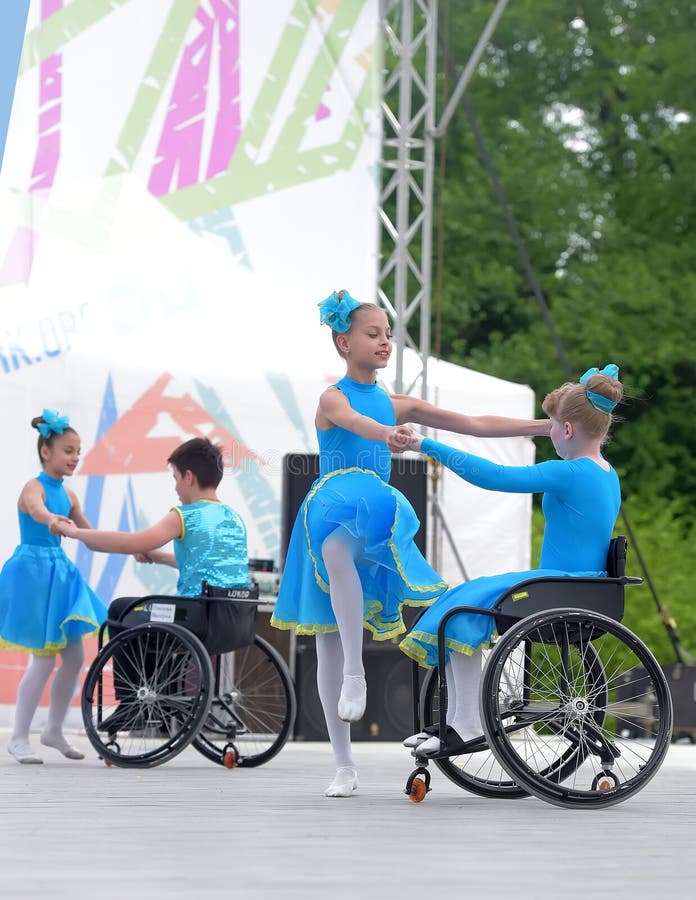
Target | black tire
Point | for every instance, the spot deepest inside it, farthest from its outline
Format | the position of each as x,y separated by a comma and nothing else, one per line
253,712
146,695
480,773
592,684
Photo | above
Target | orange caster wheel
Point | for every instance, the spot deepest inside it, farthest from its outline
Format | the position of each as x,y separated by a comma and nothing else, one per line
107,762
418,790
229,760
605,781
418,784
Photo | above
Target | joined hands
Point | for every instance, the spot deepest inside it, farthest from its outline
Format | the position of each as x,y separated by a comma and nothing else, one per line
403,438
62,526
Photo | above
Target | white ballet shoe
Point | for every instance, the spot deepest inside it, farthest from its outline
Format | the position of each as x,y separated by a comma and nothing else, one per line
58,742
455,738
431,745
415,739
22,752
351,703
344,783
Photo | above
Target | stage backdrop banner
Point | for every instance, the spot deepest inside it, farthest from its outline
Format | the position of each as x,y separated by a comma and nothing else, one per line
174,169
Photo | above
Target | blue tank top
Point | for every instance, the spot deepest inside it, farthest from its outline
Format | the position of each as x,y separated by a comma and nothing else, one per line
342,449
57,501
213,548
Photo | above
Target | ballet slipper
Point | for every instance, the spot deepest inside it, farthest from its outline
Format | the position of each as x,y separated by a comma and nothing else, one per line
415,739
58,742
351,703
22,752
344,783
464,741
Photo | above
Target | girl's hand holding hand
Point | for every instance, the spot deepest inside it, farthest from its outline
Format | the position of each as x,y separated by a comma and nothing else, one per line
59,524
398,438
143,557
65,527
404,438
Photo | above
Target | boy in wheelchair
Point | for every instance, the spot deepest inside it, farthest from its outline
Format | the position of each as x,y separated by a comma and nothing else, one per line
210,545
581,504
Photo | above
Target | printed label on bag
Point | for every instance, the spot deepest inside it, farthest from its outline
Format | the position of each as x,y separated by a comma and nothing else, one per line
162,612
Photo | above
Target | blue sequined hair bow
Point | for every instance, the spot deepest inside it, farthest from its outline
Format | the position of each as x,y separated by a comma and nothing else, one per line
599,401
335,311
52,423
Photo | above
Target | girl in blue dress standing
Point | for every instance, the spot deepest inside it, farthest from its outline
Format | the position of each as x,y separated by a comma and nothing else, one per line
351,560
580,505
46,607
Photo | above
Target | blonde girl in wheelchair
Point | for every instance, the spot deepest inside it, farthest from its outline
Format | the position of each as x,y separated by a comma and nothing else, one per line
581,503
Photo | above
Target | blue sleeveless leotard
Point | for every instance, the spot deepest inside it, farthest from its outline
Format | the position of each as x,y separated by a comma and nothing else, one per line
352,492
580,505
212,548
44,600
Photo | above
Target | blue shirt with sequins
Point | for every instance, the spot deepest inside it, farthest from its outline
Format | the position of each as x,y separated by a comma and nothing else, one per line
212,548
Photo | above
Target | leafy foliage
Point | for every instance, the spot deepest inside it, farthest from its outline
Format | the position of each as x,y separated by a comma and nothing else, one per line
587,111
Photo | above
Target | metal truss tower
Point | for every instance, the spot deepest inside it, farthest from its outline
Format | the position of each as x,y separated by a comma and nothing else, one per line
409,57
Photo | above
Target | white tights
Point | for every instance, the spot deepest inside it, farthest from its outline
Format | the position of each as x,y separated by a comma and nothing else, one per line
463,688
32,685
463,675
339,654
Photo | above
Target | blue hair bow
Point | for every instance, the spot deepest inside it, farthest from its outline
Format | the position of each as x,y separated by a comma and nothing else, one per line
335,312
603,404
52,423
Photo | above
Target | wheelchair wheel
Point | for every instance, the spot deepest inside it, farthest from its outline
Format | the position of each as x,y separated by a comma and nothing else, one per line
253,710
480,772
595,718
146,695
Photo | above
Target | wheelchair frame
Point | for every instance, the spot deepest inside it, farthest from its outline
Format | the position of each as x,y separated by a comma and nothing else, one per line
217,718
592,610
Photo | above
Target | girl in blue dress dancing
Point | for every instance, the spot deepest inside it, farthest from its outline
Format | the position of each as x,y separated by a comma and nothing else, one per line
46,607
580,505
351,561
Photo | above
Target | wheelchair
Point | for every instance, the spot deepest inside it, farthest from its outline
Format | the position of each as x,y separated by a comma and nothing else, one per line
574,707
187,670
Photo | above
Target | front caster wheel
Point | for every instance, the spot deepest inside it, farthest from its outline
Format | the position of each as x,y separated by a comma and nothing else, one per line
604,781
418,785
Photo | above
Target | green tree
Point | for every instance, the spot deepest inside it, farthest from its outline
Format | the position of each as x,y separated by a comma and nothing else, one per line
587,110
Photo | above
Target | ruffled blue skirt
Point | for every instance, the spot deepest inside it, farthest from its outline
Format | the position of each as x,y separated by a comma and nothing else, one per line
45,602
466,632
392,569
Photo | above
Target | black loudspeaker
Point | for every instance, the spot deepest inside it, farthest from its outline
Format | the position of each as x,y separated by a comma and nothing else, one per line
300,470
389,712
682,687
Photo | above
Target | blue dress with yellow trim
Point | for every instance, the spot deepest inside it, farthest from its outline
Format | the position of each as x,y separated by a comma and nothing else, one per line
352,491
212,547
580,505
44,600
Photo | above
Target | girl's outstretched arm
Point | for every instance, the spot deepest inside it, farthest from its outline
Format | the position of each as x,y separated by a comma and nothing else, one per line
144,541
548,476
334,409
413,409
